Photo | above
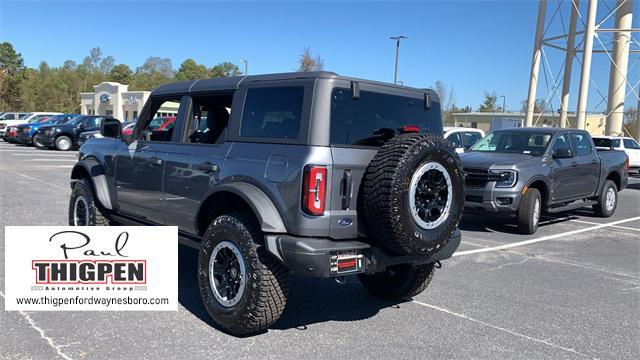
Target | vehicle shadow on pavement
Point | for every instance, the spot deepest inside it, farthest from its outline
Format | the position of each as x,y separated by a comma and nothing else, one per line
310,301
508,225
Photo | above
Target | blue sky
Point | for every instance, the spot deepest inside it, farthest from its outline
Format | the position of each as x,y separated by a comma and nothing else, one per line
473,46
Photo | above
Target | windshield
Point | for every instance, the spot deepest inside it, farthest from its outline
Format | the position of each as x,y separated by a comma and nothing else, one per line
514,142
24,116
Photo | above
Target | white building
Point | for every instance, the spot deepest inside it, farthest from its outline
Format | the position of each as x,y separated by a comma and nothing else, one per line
115,99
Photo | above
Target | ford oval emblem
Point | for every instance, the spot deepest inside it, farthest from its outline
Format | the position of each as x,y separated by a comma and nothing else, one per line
345,222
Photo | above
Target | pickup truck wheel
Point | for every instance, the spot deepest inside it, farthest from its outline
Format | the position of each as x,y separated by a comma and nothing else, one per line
607,200
63,143
399,282
243,288
529,211
83,209
413,194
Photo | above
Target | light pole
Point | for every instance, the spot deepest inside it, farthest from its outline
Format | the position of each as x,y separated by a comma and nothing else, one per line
246,66
397,39
504,103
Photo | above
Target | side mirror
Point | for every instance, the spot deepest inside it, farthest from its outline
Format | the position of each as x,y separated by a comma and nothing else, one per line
111,128
562,153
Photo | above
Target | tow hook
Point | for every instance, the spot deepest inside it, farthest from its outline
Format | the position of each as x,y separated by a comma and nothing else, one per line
341,280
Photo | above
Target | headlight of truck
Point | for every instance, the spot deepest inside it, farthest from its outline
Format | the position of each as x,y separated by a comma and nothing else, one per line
507,178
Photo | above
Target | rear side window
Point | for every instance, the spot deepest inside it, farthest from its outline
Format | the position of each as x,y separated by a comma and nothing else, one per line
375,117
581,143
272,112
630,144
602,142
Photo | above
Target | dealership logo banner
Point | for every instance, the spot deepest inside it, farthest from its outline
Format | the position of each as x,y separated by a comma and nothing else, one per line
91,268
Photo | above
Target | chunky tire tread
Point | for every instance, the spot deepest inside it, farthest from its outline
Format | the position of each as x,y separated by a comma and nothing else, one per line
600,208
386,183
267,287
399,283
525,211
97,215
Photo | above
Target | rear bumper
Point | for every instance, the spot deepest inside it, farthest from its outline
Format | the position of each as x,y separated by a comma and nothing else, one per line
317,257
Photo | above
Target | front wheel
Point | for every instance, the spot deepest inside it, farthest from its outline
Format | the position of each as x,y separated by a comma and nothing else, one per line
607,200
63,143
37,142
399,282
529,211
243,288
83,209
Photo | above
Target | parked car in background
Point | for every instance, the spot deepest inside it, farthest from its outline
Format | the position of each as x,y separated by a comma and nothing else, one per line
10,134
27,132
526,171
63,137
127,128
95,134
9,118
629,145
462,138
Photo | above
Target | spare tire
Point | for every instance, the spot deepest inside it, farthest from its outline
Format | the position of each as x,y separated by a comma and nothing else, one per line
413,194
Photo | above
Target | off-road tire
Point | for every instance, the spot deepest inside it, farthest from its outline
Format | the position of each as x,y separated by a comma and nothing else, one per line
601,207
399,282
387,190
61,138
527,219
267,286
97,215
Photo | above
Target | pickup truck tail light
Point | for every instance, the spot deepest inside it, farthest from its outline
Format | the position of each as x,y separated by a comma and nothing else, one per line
626,163
314,189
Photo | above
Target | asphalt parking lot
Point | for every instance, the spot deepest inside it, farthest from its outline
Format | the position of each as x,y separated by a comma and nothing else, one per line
572,290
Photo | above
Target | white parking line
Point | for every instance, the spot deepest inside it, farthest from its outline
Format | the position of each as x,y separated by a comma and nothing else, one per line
544,238
38,180
72,160
53,154
499,328
614,226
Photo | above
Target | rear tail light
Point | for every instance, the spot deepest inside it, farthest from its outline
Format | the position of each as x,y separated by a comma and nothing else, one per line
409,129
314,189
626,163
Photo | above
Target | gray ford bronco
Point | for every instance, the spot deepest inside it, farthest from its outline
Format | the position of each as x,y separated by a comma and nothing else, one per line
313,172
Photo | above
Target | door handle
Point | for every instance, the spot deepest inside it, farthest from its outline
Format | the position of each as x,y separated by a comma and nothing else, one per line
594,161
574,164
207,166
154,160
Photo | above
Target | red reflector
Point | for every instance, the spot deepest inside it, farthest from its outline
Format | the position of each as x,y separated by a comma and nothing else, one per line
314,188
349,263
409,129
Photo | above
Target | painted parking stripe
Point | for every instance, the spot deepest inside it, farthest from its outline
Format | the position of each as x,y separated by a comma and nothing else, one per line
544,238
49,154
613,226
73,160
499,328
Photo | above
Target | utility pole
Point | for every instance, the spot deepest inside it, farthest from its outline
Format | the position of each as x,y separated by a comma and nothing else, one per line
535,63
619,66
397,39
246,66
504,103
568,63
638,117
585,73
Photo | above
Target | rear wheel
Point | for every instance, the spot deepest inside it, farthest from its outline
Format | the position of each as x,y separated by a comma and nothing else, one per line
399,282
529,211
243,288
607,200
63,143
37,143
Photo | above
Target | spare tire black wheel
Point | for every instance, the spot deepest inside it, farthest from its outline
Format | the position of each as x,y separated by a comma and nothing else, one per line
413,194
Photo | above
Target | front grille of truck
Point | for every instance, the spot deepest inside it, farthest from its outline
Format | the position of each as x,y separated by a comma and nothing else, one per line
476,178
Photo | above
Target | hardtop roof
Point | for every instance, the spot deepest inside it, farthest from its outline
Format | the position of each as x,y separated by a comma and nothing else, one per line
233,82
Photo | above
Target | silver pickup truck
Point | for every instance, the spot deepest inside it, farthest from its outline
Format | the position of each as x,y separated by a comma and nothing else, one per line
525,171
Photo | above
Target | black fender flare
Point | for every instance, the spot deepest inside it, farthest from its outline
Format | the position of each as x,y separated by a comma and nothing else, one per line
265,211
98,179
546,196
